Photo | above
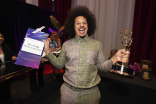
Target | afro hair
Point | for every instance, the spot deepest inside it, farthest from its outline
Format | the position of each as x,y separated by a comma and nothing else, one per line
80,11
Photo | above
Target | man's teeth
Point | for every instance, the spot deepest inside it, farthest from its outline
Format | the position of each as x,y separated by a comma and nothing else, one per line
81,29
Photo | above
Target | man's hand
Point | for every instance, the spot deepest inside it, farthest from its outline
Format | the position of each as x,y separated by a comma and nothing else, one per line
122,56
46,47
13,57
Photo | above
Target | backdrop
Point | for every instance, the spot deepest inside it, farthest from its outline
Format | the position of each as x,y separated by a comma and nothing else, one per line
112,17
144,32
16,17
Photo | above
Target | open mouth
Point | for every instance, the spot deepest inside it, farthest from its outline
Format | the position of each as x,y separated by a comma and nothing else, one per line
81,31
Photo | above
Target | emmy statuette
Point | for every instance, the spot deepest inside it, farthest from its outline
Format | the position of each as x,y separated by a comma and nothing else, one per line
126,40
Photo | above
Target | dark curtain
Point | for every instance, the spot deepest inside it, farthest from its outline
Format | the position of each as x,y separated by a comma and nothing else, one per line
16,17
22,0
46,4
144,33
61,7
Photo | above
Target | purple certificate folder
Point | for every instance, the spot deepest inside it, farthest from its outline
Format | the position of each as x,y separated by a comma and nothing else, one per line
32,48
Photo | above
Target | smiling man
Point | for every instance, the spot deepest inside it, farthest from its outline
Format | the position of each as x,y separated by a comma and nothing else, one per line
82,57
81,26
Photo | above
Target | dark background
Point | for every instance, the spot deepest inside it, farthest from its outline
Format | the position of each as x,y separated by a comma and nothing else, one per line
16,17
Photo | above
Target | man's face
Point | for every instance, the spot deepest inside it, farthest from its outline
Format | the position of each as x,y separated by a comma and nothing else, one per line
81,26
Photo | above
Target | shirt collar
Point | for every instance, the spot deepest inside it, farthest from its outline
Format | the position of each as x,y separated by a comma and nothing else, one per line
86,38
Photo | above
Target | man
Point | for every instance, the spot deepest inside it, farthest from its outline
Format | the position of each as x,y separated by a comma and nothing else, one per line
82,57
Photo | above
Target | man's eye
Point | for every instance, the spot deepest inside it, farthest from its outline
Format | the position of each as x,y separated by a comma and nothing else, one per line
77,23
84,23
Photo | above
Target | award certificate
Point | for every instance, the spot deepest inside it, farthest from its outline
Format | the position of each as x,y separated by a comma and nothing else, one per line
31,50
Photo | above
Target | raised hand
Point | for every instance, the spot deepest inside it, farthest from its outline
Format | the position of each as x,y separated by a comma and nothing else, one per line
13,57
46,47
122,55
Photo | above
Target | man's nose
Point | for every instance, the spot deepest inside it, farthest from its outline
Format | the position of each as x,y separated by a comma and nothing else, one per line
82,25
